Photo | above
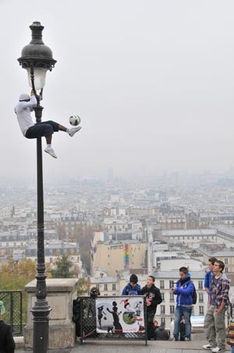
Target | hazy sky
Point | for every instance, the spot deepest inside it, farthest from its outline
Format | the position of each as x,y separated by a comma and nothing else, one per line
153,82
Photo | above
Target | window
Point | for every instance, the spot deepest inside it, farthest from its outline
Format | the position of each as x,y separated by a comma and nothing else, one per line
171,284
226,261
172,298
105,287
200,298
113,286
163,320
200,284
163,296
161,284
172,309
201,310
162,308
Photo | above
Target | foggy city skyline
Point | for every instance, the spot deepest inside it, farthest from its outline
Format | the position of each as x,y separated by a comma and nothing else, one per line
152,81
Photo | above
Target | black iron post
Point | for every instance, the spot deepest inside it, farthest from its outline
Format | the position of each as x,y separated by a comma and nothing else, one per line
38,56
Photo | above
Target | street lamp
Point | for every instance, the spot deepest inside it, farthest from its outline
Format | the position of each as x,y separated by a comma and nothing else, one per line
37,59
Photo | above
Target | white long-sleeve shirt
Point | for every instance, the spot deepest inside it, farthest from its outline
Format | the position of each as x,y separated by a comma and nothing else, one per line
23,112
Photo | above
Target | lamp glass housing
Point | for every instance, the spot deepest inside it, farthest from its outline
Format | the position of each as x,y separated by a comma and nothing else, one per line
39,77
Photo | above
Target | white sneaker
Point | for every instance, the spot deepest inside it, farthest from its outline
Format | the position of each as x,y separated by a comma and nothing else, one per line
217,349
207,346
74,130
50,151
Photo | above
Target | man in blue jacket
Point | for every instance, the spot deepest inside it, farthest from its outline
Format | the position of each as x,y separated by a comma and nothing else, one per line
132,288
184,303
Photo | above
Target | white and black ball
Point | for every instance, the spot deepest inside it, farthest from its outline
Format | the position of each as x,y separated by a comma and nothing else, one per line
74,120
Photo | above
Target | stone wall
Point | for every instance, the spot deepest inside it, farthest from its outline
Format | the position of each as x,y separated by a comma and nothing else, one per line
60,295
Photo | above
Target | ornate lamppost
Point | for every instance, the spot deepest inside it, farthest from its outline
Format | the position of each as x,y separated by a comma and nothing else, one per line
37,59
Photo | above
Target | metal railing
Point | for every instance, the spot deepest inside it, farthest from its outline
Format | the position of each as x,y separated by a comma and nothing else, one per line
13,315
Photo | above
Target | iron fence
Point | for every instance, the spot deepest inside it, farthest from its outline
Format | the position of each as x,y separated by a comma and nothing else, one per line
91,323
13,315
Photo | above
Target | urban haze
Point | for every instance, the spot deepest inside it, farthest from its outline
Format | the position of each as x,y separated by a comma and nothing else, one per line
151,80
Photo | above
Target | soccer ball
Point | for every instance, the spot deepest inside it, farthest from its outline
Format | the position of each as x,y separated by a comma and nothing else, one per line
74,120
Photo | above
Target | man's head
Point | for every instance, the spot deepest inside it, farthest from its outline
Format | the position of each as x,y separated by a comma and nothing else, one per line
94,292
211,262
218,267
24,97
150,281
183,272
133,280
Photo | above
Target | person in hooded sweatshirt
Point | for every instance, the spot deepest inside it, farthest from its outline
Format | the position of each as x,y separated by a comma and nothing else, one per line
7,343
153,299
184,303
132,288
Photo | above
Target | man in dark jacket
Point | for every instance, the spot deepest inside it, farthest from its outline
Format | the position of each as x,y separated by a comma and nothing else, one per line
7,343
153,298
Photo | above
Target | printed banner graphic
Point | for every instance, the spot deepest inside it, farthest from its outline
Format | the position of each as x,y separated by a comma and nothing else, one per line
120,314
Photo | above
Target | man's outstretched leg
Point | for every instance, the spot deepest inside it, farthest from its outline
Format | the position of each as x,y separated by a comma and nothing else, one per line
57,127
71,132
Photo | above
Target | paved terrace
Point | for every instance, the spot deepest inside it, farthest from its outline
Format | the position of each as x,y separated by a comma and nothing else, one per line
101,346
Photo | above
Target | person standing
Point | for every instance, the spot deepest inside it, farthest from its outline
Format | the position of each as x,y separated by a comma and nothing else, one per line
218,302
153,299
184,303
132,288
7,343
209,274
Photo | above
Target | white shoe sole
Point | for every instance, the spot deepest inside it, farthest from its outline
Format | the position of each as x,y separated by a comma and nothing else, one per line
54,156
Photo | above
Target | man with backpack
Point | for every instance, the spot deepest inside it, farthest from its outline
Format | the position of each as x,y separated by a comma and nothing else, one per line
185,299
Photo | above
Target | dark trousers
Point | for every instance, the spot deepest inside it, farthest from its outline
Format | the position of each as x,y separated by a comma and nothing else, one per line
150,326
45,128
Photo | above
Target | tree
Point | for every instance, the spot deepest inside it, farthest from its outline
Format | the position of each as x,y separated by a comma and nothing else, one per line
63,269
14,275
82,287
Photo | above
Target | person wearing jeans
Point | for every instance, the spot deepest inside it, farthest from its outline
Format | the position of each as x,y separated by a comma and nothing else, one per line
214,323
184,303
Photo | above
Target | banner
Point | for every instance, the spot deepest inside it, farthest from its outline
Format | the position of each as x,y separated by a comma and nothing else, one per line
120,314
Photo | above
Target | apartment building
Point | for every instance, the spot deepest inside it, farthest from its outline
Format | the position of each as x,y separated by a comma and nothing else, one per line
118,255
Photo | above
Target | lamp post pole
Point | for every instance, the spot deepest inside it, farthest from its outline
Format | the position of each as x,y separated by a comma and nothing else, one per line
37,58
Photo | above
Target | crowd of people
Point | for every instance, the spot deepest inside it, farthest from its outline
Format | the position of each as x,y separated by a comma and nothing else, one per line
180,325
216,285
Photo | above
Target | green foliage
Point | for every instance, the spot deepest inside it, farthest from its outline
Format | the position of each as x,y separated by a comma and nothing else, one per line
15,275
82,287
63,268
